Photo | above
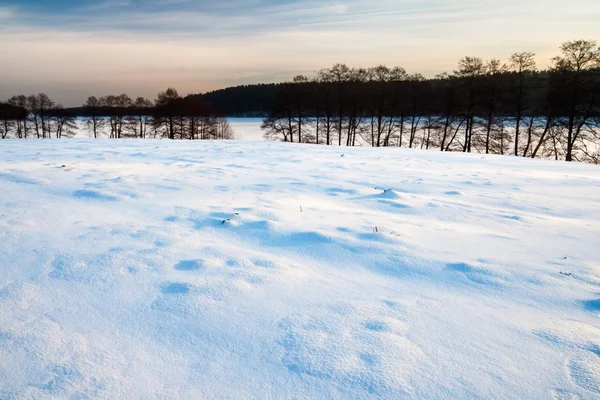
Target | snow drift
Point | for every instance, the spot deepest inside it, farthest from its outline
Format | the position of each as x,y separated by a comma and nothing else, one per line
158,269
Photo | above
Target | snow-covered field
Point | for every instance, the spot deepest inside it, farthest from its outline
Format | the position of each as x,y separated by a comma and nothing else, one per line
158,269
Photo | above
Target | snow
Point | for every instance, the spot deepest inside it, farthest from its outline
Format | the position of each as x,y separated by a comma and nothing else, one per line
247,129
163,269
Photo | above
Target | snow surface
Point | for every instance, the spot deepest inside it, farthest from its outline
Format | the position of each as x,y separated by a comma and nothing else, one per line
247,129
162,269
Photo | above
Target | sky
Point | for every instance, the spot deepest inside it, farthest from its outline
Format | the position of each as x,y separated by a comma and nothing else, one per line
71,49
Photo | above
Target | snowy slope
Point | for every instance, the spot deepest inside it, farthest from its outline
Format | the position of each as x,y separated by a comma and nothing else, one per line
158,269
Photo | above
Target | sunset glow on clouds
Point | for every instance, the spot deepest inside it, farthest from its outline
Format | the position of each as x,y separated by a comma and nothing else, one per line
72,49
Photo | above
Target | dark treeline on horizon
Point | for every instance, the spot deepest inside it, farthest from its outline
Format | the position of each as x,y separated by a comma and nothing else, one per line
246,100
169,116
487,107
490,107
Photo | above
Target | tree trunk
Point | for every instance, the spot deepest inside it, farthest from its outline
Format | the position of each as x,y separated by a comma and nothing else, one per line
541,142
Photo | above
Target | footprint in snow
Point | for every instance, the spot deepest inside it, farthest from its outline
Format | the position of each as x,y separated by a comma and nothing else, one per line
93,195
176,288
377,326
188,265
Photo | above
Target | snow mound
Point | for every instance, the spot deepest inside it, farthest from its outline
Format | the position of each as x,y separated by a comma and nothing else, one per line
389,194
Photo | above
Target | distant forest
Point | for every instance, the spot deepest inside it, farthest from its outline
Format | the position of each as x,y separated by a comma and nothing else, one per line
491,107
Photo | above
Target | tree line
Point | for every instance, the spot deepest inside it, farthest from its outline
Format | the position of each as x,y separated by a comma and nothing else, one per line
115,116
245,100
490,107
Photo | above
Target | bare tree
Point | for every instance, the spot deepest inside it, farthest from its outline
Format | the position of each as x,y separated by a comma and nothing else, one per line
522,64
63,122
123,103
94,120
493,69
324,81
6,121
469,68
277,129
22,129
223,130
300,84
40,106
576,59
166,106
383,110
339,74
137,121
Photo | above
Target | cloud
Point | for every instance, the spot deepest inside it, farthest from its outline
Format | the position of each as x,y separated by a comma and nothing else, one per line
108,5
142,47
